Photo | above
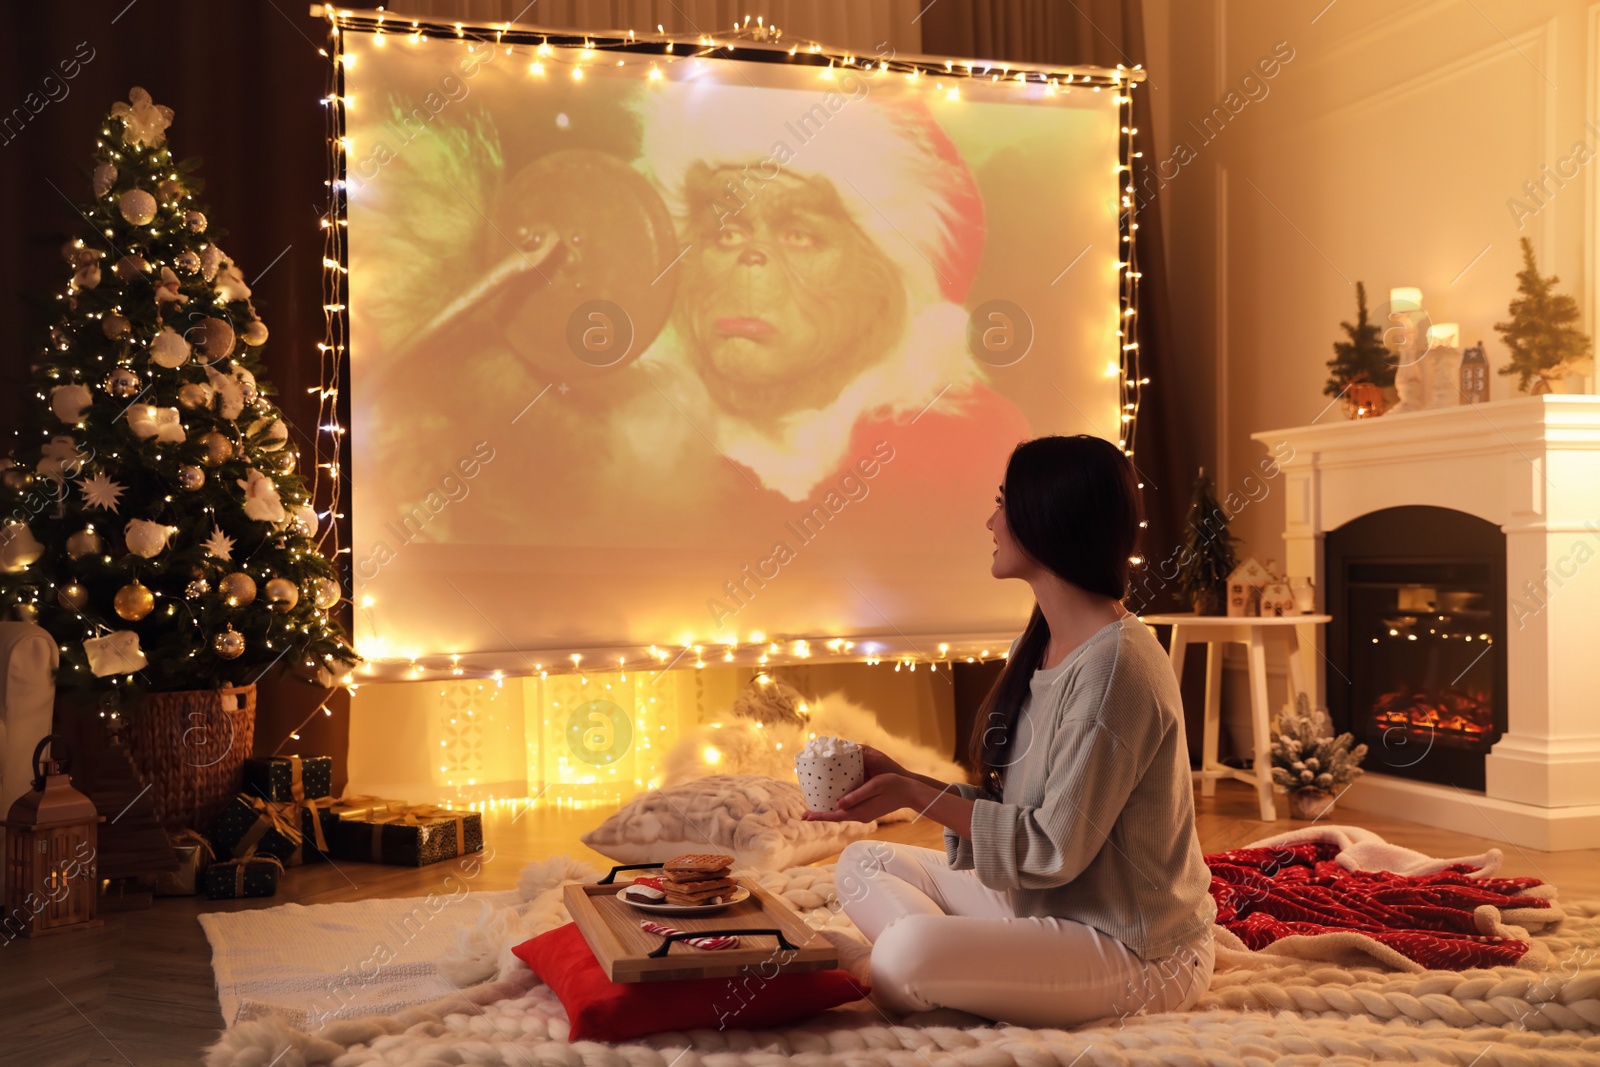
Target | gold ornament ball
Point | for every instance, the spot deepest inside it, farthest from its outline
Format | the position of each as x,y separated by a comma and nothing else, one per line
72,596
218,448
195,221
283,461
115,327
137,206
190,477
283,593
238,589
134,601
84,543
130,267
187,262
325,593
122,382
170,188
197,589
26,612
193,395
229,644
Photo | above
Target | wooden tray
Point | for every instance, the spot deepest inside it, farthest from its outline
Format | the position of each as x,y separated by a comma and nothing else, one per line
627,954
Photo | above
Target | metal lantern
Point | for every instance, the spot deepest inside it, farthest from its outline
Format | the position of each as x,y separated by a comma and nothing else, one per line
51,882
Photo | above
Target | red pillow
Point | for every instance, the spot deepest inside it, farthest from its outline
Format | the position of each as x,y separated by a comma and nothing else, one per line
602,1010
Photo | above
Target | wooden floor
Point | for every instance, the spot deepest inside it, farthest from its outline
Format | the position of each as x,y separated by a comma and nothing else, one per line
139,989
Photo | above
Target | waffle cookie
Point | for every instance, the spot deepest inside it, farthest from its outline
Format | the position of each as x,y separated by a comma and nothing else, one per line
706,864
696,886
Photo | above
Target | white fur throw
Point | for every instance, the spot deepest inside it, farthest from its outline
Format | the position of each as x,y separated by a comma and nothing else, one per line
745,746
751,817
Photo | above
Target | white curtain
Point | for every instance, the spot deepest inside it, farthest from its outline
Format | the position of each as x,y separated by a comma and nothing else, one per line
850,25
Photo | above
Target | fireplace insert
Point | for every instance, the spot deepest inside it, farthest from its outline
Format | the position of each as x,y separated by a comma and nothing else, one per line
1416,649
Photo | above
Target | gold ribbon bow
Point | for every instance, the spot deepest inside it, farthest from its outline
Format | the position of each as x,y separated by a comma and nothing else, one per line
415,815
268,817
239,866
356,806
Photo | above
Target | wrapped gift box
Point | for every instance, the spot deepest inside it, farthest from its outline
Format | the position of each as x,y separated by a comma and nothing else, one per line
194,855
317,820
356,806
250,826
254,877
287,778
410,836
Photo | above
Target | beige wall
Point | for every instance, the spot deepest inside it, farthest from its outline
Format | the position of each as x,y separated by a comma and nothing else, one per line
1385,151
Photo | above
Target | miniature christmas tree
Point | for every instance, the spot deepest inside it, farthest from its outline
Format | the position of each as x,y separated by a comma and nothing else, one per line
1207,557
156,524
1362,358
1543,334
1305,755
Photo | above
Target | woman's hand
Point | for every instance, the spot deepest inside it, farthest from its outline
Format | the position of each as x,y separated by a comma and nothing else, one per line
874,763
875,798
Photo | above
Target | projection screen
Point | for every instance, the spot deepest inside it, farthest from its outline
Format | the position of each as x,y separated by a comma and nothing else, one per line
673,351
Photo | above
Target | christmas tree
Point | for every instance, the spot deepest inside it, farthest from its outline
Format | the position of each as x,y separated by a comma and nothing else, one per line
1363,358
1207,557
155,523
1543,334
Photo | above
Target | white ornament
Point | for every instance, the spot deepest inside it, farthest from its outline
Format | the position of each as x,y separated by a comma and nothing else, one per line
325,593
304,519
211,258
144,122
146,538
230,399
261,497
86,276
230,284
169,349
219,544
247,383
100,491
69,402
61,458
115,653
18,547
167,289
255,333
274,434
137,206
148,420
105,176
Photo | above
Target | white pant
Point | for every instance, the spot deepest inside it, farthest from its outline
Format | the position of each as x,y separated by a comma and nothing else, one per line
942,939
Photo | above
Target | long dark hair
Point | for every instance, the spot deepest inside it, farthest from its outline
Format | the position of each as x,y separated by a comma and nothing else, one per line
1072,505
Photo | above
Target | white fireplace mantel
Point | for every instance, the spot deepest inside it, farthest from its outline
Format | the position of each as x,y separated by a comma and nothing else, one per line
1531,466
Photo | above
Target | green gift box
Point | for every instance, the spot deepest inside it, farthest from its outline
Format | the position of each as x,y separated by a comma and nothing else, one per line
287,778
256,876
250,826
408,836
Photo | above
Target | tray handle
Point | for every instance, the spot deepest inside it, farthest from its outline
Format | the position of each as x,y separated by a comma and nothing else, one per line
668,939
610,878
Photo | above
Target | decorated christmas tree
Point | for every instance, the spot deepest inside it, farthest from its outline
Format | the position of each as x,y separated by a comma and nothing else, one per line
1207,557
155,524
1543,333
1361,358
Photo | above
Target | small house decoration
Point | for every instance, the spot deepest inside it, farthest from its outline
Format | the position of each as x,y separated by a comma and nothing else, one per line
1474,375
1244,588
51,879
1278,599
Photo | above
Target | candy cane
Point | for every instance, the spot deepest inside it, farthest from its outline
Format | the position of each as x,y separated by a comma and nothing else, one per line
722,941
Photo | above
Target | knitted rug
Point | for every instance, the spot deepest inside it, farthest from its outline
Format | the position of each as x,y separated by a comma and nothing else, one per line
1279,1004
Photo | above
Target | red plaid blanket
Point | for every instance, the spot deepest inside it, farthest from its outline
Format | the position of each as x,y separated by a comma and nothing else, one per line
1264,894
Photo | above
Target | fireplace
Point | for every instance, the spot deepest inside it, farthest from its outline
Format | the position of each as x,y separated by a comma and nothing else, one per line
1416,652
1512,488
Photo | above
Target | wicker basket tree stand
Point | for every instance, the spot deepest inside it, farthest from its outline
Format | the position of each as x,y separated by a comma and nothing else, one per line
189,748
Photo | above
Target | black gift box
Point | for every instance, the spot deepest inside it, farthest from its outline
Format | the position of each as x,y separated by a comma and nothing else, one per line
252,826
407,836
253,877
285,778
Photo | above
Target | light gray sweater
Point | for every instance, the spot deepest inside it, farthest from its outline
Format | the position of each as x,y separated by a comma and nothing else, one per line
1097,819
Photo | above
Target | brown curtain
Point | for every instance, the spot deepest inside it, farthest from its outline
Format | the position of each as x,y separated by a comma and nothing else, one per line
1103,33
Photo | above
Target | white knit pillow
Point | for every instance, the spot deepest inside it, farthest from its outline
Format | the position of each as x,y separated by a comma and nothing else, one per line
753,818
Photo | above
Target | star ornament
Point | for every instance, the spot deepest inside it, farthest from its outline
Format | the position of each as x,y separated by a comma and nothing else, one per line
100,491
219,544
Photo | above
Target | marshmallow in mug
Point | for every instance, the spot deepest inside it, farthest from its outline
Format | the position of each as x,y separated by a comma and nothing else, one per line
829,746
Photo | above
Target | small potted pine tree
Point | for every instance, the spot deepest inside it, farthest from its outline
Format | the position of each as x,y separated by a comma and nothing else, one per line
1310,763
1543,333
1207,557
1360,369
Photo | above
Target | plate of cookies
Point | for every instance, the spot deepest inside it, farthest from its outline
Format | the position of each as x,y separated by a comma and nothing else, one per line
693,882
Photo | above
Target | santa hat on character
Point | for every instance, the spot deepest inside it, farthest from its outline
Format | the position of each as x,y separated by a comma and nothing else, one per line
899,175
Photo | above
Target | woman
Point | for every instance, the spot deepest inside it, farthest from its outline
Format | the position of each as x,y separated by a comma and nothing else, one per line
1072,885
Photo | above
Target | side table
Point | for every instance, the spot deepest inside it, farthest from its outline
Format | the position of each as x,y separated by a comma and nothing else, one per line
1258,635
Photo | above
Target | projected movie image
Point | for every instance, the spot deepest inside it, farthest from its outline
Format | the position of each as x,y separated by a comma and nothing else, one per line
729,348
